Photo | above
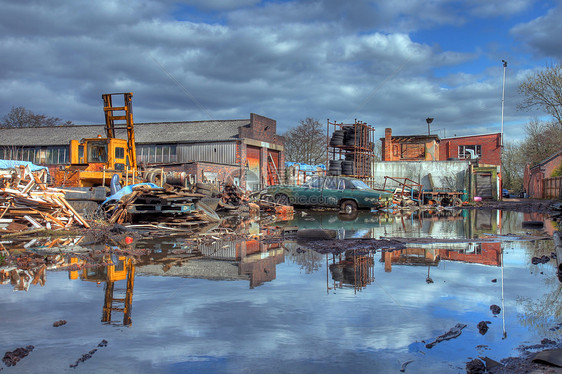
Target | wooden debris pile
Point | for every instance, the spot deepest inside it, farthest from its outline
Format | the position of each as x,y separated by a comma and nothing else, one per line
148,205
232,197
27,203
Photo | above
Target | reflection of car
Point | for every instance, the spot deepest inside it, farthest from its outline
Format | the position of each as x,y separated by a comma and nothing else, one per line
349,194
505,192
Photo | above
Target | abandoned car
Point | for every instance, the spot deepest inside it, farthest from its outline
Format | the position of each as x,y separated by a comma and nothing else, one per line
348,194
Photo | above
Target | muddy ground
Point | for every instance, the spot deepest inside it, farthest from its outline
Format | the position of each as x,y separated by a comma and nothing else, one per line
517,205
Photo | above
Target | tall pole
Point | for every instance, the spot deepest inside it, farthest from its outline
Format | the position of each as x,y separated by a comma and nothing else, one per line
503,98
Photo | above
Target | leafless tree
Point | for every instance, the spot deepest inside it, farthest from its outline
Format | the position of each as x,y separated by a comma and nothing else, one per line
306,143
513,165
542,140
22,117
543,90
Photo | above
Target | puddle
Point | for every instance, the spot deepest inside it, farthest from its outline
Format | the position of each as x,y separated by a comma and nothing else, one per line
231,306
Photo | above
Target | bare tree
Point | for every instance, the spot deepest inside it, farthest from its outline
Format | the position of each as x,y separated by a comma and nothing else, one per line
543,90
513,164
306,143
542,140
21,117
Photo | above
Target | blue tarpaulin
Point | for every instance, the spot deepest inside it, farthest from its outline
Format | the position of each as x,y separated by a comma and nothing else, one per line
306,167
13,164
126,191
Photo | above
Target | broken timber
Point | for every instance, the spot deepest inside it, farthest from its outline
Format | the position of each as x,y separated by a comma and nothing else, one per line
26,202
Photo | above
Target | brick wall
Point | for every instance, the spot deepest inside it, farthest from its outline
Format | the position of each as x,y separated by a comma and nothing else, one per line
489,145
414,149
261,128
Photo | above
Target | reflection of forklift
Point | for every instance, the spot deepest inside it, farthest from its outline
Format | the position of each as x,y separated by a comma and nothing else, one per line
94,161
122,269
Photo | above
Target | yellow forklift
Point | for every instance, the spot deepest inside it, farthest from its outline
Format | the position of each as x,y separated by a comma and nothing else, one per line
94,161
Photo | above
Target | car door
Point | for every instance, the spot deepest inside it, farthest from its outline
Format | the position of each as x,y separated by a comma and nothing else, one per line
331,193
309,193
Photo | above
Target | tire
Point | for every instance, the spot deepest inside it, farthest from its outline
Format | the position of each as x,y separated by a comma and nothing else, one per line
457,202
282,199
348,206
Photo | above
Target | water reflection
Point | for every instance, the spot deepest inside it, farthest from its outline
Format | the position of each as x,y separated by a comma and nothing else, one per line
443,223
353,269
246,257
120,272
253,302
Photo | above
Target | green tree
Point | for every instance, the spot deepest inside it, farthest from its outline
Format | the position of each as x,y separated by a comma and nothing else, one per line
22,117
543,89
306,143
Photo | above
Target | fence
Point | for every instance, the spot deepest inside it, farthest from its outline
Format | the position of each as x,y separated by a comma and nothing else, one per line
551,188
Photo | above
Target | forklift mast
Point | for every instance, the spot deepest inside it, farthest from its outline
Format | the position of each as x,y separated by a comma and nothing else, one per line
124,113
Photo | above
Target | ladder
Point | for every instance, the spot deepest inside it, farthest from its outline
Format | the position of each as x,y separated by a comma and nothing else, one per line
272,172
127,116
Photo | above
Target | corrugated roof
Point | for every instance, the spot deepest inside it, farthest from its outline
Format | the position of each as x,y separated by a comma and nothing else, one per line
145,133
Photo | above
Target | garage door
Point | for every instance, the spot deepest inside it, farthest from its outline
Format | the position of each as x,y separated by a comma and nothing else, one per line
484,185
253,172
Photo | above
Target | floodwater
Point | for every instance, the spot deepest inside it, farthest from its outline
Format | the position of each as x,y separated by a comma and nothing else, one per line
278,307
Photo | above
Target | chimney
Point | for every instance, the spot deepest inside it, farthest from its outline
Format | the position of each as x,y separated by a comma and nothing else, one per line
387,145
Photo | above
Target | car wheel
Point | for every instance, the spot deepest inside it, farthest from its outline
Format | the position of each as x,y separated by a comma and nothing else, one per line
348,206
457,202
282,199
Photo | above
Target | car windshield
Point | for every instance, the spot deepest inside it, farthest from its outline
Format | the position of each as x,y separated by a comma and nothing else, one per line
360,185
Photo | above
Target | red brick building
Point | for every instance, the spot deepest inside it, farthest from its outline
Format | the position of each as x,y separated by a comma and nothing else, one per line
409,147
486,148
533,178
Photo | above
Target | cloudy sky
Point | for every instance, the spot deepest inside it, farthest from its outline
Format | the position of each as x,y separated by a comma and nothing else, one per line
387,63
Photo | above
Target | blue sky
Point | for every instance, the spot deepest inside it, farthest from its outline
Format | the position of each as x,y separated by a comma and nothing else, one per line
390,64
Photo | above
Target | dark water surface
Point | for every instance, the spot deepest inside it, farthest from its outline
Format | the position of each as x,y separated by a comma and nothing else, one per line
251,307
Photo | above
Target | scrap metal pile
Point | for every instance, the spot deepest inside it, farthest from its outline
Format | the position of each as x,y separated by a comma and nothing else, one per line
146,204
27,203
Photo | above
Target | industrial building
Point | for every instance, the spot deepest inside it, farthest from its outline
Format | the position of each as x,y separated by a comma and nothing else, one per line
246,152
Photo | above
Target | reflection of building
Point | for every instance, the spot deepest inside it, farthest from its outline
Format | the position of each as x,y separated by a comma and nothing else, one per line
431,254
354,269
250,260
122,269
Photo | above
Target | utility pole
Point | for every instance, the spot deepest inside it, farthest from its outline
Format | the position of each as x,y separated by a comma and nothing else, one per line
503,98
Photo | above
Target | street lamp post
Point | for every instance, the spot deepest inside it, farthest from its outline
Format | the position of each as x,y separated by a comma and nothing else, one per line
503,98
428,120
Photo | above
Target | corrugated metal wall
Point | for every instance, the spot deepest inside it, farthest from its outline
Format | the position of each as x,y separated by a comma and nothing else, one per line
220,152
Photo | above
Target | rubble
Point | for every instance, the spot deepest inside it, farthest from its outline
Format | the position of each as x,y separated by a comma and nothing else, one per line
26,203
148,204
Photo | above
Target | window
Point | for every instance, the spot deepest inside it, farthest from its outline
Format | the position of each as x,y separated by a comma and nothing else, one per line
331,183
315,183
119,152
97,152
467,151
